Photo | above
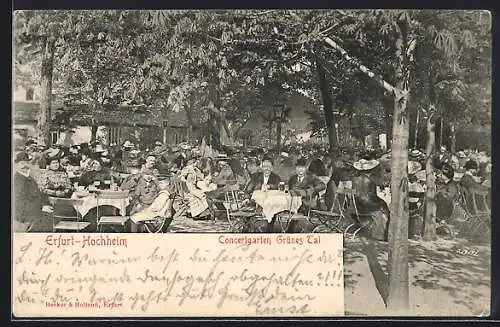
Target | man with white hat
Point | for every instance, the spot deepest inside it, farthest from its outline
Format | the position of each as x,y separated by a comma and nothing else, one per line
127,145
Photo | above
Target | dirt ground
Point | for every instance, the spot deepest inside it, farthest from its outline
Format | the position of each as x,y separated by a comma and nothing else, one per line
445,279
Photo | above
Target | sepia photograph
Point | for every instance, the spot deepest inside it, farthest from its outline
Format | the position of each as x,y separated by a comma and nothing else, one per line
267,129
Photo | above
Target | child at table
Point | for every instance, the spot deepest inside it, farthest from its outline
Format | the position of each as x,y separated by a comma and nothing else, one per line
160,207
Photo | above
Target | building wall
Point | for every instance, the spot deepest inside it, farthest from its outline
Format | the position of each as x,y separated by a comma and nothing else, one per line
20,92
80,134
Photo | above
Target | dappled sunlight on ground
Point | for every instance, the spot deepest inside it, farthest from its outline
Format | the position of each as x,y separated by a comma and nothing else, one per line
442,280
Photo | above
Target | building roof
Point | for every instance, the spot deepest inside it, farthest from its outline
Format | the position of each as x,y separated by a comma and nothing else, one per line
26,111
124,115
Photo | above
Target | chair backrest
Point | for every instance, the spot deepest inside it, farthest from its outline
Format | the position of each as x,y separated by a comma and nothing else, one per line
474,201
64,208
232,202
112,194
481,200
178,186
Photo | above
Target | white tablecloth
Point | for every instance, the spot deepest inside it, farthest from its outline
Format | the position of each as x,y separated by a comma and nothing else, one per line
273,202
90,202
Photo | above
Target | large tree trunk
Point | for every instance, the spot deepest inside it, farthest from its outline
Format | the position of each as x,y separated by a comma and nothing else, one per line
44,113
93,134
327,106
189,120
416,129
164,135
278,135
429,228
270,117
398,293
441,132
453,138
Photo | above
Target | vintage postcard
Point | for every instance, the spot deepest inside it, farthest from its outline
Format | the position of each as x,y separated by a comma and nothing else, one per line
251,163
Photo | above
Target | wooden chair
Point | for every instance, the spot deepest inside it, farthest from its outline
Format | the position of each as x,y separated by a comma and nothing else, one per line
158,224
286,218
361,221
116,223
331,220
180,203
476,202
240,218
65,217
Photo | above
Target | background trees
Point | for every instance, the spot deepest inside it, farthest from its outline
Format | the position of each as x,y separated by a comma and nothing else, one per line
233,66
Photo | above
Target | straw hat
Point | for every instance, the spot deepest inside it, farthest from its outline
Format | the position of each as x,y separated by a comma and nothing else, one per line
128,144
284,154
365,164
99,148
413,167
415,153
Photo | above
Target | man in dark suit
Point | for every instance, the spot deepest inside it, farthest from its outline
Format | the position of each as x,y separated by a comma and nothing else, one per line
264,180
305,184
468,181
470,185
27,197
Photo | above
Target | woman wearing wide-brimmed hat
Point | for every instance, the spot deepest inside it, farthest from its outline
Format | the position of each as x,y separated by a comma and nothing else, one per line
373,211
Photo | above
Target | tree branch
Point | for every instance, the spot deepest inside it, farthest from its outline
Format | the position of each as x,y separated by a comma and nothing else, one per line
266,12
388,87
338,25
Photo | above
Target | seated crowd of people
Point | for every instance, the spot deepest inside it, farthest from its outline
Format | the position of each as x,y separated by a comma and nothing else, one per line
181,180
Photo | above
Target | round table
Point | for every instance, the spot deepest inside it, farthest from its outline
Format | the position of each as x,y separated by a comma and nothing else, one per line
274,202
90,201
